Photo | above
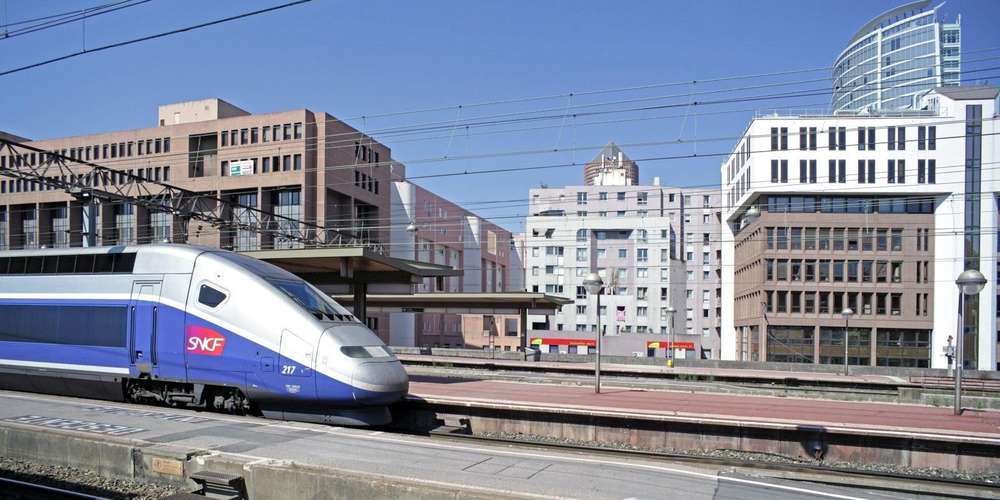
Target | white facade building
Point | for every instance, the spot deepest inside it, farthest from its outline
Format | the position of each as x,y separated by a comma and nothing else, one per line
654,246
876,213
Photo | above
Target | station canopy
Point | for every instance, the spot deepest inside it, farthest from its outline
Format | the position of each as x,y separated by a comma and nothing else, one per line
465,303
338,270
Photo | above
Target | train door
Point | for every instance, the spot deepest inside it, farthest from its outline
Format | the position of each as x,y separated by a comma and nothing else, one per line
295,365
143,310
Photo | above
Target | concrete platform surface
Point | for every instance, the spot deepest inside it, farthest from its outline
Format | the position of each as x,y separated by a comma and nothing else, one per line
769,375
835,416
291,459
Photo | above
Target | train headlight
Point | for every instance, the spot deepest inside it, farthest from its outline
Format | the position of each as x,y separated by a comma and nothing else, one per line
365,352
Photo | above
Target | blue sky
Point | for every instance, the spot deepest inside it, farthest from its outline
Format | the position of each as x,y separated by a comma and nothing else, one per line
354,59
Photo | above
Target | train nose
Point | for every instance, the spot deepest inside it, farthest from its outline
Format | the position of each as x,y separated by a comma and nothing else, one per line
385,381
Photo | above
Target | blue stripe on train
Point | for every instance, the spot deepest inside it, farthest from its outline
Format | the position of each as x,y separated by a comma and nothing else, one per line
243,363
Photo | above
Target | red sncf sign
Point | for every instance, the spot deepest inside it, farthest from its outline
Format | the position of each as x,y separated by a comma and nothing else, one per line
204,341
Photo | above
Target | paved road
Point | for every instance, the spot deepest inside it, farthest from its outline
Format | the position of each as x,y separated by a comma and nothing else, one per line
484,468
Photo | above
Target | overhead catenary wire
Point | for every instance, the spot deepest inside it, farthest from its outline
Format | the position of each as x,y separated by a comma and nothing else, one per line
7,24
79,15
356,164
455,174
355,134
942,138
864,187
149,37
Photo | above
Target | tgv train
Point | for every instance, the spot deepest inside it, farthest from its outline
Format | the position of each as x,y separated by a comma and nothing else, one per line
187,325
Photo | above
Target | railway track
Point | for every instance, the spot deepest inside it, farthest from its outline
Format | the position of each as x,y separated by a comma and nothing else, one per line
796,472
13,489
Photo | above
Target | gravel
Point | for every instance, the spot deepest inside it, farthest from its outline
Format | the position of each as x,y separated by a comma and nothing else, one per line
81,481
929,473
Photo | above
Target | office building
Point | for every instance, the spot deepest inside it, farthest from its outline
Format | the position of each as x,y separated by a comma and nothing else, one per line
299,164
429,228
878,214
896,58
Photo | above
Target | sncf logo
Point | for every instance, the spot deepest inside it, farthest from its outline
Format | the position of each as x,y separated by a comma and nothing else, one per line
204,341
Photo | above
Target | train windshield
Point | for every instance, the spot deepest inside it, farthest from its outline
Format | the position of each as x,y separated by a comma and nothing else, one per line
312,300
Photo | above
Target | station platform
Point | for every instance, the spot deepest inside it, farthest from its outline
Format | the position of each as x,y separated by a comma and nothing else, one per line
871,380
840,417
280,460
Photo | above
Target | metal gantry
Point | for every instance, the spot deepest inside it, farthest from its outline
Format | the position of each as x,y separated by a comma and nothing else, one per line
89,181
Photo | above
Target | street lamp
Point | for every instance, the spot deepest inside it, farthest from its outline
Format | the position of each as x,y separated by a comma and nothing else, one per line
846,313
593,283
670,345
412,229
970,282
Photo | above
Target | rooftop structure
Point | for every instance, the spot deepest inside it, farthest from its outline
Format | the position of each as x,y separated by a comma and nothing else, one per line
896,58
611,167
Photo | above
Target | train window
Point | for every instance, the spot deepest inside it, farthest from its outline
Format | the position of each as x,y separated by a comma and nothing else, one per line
84,264
50,264
103,326
104,263
17,265
34,265
124,262
210,296
67,264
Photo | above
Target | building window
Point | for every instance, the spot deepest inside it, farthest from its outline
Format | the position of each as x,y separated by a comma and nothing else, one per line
581,198
298,130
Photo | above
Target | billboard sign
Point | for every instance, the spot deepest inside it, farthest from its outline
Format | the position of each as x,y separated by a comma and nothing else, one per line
240,168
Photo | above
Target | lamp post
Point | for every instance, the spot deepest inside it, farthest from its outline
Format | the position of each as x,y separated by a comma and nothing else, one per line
412,229
593,283
670,345
847,312
970,282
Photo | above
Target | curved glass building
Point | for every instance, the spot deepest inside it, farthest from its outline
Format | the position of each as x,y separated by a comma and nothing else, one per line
895,58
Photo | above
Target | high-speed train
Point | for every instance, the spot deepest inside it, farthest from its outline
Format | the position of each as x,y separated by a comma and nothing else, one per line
189,326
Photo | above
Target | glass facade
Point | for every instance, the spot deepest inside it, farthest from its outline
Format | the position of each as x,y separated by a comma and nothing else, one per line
287,204
3,228
973,203
790,344
895,59
246,221
160,222
30,228
60,227
125,224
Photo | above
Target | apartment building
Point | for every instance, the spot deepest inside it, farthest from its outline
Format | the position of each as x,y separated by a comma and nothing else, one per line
702,256
300,164
877,213
428,228
649,244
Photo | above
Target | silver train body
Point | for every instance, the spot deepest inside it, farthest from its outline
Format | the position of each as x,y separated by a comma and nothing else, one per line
187,325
